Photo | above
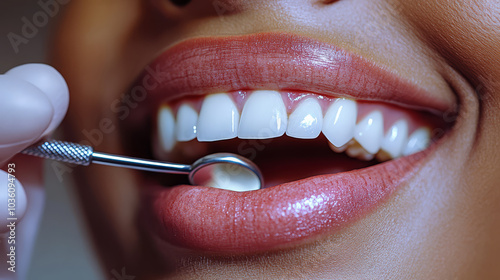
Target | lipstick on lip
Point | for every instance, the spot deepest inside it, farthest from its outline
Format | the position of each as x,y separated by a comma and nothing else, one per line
279,61
220,221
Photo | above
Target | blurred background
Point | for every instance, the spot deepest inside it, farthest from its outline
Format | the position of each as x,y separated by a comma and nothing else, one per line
63,249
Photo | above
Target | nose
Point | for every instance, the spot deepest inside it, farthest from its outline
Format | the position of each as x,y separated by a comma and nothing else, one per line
190,9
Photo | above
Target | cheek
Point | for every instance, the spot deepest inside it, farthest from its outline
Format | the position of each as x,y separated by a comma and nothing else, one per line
87,50
465,33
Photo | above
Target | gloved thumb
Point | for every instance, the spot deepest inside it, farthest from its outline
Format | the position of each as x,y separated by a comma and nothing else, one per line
33,101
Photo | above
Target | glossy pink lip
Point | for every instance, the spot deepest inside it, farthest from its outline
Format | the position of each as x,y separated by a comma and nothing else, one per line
214,220
278,61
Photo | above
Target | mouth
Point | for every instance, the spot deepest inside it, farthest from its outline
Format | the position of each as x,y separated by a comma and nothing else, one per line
334,135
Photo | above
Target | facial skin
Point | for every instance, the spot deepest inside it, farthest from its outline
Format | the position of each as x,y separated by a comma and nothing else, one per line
445,224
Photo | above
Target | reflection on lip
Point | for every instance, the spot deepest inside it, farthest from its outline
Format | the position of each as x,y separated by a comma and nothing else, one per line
215,220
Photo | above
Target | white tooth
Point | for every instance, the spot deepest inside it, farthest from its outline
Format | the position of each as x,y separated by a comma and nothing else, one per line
395,139
418,141
264,116
306,121
340,121
356,151
187,118
166,128
370,131
218,119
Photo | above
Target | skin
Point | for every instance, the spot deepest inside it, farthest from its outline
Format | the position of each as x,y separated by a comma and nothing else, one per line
443,225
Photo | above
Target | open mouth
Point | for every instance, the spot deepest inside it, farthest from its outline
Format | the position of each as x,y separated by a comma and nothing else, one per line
333,134
291,136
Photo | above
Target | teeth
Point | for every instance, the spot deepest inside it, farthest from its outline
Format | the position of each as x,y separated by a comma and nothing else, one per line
356,151
369,132
340,121
187,118
166,128
394,141
306,121
218,119
418,141
264,116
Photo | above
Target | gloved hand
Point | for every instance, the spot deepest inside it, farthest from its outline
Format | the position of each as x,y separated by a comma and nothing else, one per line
33,101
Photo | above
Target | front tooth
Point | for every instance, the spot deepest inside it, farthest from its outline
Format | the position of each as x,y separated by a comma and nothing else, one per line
166,128
340,121
306,121
395,139
418,141
218,119
369,132
263,117
187,118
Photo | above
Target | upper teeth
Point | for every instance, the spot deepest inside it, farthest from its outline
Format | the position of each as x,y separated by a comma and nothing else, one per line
264,116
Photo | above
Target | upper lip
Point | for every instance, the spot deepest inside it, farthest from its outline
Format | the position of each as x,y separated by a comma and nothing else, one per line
279,61
210,219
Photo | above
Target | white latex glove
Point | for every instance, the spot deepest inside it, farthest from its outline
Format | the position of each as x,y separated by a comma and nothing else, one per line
33,101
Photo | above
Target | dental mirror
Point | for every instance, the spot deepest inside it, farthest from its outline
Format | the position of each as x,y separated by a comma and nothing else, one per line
226,171
222,170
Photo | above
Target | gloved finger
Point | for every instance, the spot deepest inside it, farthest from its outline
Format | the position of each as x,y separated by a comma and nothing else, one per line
25,113
12,198
51,83
19,217
35,100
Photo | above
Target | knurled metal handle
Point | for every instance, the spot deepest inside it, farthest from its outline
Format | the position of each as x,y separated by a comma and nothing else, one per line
62,151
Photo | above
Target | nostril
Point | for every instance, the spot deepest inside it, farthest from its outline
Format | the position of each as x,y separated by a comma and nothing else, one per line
180,3
327,2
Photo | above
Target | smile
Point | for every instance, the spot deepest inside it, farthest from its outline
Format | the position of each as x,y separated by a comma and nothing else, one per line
335,135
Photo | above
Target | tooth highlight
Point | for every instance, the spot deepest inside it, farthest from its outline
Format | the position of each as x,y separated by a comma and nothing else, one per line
340,121
395,140
418,141
166,128
187,119
369,132
306,121
264,116
218,118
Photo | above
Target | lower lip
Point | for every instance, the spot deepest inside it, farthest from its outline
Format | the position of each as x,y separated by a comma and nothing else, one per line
214,220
